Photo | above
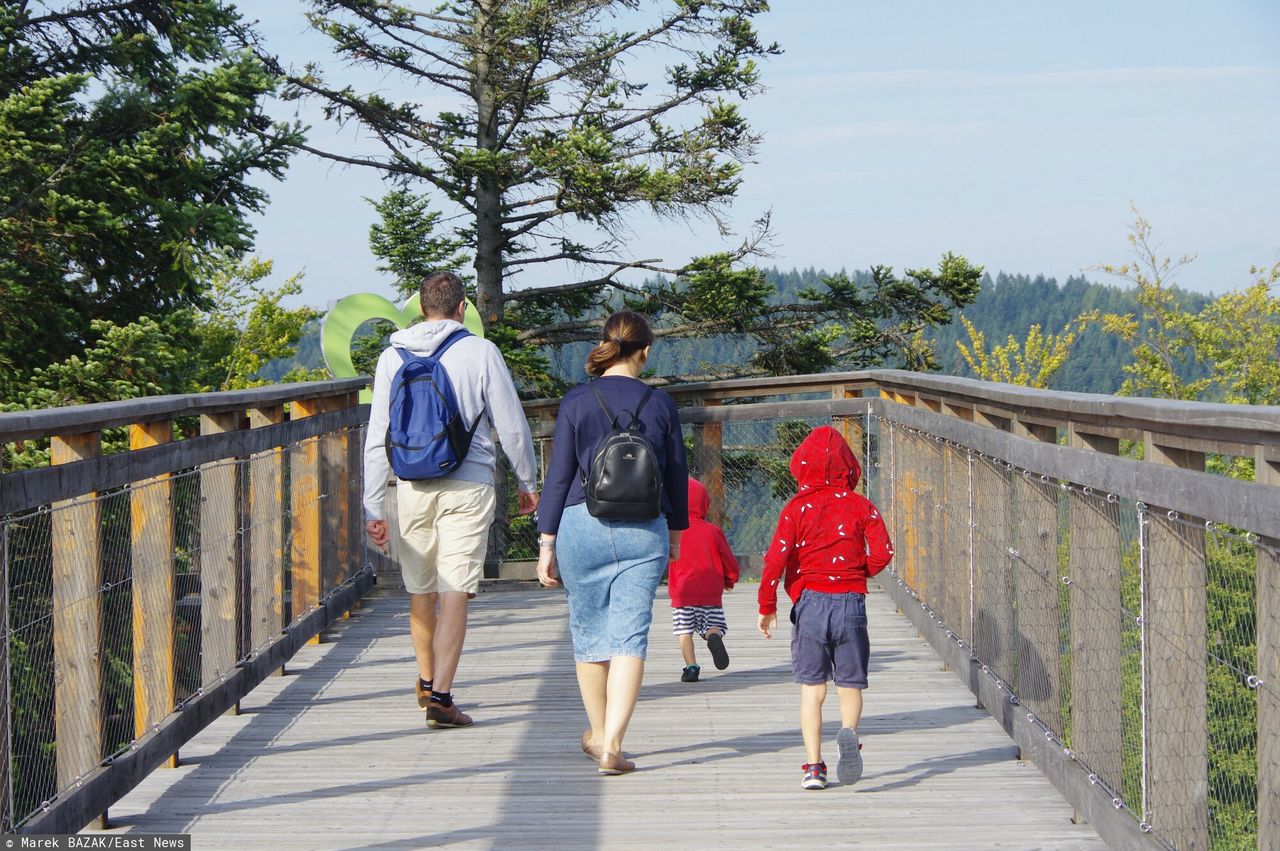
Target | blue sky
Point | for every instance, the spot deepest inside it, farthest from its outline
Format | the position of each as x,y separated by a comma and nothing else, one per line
1014,133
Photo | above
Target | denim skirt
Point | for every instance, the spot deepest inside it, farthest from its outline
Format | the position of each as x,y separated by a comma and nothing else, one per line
611,570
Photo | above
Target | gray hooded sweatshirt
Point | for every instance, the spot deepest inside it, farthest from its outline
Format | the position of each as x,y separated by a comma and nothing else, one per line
481,383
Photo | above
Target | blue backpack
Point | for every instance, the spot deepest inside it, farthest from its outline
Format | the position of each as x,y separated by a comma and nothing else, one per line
426,437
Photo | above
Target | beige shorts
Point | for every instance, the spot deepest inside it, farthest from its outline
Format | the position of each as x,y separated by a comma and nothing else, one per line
444,533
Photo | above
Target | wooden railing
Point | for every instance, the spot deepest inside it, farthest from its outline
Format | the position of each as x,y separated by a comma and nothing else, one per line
1118,616
147,590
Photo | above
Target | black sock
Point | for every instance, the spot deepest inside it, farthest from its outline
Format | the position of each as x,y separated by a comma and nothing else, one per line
444,698
425,685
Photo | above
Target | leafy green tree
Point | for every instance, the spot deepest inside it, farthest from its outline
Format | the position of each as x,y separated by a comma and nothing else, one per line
1029,363
132,137
223,346
570,118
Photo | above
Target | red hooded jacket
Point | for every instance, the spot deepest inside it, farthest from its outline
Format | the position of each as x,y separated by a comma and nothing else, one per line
829,538
706,567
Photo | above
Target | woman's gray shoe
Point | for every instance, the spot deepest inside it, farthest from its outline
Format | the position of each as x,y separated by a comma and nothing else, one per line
849,761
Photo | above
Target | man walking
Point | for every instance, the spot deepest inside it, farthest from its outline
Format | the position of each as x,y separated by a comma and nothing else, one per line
444,522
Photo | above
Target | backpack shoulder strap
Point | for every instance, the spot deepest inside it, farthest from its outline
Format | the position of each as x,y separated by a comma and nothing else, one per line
613,419
449,341
635,418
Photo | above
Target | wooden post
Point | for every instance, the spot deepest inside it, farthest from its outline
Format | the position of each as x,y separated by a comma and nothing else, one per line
305,500
993,580
355,504
266,536
954,544
77,619
708,443
1177,678
335,544
1094,598
7,815
151,510
219,568
1267,472
1037,584
853,430
6,716
909,513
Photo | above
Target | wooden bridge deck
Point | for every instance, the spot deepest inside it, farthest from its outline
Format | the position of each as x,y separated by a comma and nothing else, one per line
335,754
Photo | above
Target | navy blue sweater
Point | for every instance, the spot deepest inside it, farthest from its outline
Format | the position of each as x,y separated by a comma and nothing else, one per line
582,424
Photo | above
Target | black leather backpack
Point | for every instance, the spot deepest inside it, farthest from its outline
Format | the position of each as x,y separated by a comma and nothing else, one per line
625,479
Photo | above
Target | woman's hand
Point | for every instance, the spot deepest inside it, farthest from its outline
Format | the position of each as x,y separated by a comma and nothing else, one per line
548,574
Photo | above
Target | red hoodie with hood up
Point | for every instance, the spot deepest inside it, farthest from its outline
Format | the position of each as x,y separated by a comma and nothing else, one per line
706,567
829,537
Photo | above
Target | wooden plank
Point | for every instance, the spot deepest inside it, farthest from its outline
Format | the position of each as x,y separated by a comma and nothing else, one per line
304,486
1268,608
31,488
151,512
1177,676
218,558
1094,600
77,620
932,759
266,536
85,419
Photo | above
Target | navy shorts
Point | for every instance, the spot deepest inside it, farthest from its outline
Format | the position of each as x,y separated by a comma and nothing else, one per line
829,639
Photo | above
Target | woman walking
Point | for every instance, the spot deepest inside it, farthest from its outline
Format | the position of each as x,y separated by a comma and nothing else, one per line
611,567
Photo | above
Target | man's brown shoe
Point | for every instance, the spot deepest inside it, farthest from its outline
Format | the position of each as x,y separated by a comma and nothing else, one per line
615,763
424,695
439,715
593,752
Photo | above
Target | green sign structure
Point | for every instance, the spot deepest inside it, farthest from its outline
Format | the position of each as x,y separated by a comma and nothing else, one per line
346,317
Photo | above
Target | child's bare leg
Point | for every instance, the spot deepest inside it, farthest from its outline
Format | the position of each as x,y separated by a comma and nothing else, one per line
712,630
850,706
686,649
811,698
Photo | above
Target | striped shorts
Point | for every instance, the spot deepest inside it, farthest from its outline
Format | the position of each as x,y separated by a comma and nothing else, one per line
687,620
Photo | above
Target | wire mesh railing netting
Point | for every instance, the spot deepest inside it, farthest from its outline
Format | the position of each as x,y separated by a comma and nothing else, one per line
1127,633
125,604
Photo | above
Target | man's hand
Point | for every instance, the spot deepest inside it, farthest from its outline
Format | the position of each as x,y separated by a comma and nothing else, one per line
377,532
547,572
767,623
527,502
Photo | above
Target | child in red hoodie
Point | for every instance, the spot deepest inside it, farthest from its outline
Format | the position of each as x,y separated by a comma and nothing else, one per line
829,541
698,579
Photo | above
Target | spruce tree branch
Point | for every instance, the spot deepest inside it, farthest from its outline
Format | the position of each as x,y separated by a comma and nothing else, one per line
596,59
429,33
84,12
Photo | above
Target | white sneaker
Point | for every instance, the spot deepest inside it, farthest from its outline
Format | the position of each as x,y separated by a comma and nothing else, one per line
849,761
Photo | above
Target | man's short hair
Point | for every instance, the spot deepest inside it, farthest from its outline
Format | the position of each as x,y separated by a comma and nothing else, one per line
440,294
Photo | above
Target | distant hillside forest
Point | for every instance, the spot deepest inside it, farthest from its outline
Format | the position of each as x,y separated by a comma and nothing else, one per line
1008,305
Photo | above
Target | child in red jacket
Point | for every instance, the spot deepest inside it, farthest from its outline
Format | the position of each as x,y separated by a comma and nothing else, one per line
698,579
829,541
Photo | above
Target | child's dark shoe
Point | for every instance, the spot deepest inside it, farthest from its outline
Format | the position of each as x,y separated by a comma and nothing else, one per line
815,776
849,762
690,674
719,654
